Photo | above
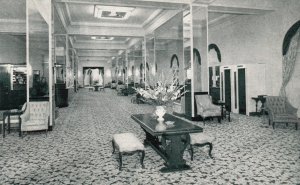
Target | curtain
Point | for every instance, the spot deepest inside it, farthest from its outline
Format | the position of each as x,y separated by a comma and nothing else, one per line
288,63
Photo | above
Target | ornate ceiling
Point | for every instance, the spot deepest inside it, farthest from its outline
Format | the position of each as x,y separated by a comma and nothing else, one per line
76,17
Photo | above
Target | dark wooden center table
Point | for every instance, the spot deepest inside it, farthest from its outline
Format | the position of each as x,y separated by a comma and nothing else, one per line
169,143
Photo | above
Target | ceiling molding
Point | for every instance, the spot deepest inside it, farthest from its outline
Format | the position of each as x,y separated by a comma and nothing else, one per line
152,16
176,4
99,61
94,58
94,53
63,18
68,12
160,20
222,19
105,24
100,41
237,10
87,46
106,31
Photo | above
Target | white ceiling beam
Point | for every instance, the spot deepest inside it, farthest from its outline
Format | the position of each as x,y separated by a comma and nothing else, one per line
99,41
251,4
176,4
94,53
106,31
98,61
63,18
87,46
160,20
94,58
237,10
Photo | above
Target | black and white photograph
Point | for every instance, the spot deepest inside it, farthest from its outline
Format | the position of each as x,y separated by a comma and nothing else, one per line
135,92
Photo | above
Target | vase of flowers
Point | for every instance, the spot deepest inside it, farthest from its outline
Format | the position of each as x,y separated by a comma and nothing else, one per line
163,93
160,112
161,126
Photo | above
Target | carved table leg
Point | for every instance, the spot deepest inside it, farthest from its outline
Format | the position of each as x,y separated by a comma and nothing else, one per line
175,148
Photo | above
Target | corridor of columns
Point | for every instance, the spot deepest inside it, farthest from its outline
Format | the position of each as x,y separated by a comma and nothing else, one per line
79,151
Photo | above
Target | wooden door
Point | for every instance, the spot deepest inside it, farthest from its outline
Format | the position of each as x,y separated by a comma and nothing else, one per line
227,89
242,90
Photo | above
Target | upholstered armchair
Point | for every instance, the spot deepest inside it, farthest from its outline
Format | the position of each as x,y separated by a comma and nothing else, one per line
281,111
35,117
206,109
120,89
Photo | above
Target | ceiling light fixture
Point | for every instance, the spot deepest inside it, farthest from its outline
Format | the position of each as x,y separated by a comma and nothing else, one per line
112,12
102,38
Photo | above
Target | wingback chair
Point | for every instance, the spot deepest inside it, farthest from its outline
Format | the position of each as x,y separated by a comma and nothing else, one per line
35,117
281,111
206,109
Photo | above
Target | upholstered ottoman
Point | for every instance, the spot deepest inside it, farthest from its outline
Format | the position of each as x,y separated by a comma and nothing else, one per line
127,143
200,139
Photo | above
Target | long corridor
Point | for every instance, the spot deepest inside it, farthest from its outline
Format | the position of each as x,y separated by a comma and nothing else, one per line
79,151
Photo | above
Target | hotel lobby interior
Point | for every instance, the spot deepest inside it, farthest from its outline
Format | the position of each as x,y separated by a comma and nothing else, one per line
73,74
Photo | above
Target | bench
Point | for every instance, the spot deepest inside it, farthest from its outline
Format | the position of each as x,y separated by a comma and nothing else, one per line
200,139
128,143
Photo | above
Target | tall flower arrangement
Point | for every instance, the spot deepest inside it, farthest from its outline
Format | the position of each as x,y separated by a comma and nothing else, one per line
163,92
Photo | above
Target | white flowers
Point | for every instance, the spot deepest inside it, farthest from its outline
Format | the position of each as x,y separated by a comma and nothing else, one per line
160,94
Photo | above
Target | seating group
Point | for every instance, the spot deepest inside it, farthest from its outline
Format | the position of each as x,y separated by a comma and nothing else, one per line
33,116
128,143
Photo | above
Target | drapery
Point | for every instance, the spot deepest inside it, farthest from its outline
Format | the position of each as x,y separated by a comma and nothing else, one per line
95,76
86,81
288,63
100,79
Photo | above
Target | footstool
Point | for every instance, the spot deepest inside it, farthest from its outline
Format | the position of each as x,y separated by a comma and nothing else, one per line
200,139
127,143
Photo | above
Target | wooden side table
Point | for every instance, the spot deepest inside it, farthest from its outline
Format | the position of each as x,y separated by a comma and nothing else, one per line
9,113
224,112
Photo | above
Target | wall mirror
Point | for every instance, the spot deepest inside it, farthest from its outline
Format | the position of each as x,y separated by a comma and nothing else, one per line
38,41
168,43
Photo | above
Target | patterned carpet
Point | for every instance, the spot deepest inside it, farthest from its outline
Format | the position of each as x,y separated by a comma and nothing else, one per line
78,150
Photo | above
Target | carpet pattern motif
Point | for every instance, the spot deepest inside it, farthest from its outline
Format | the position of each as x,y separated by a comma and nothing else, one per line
79,151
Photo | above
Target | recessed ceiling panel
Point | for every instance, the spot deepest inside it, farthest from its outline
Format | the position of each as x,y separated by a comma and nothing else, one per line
80,38
84,13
